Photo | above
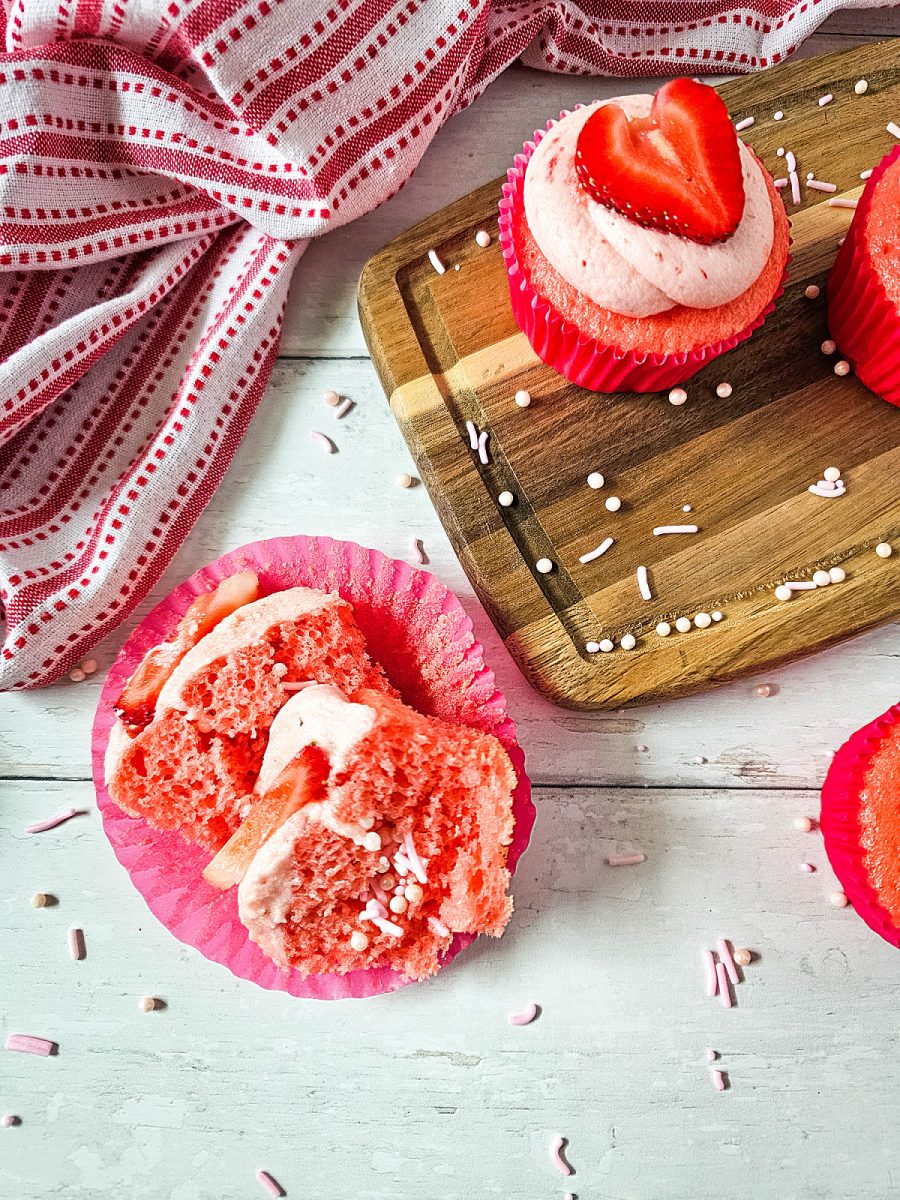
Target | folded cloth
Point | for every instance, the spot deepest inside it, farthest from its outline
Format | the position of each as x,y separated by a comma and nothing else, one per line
161,169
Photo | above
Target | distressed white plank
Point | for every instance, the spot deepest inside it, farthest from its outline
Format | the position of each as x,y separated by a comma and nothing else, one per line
281,483
430,1092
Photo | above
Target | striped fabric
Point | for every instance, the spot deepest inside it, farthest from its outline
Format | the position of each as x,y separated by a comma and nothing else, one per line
161,170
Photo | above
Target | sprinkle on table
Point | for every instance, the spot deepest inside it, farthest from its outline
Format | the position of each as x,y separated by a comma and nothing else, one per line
812,292
8,1120
743,957
625,860
678,396
506,499
418,551
745,124
483,238
778,116
765,690
867,174
148,1003
24,1043
828,346
826,99
683,624
42,900
482,447
727,961
724,390
841,202
820,185
404,480
525,1017
628,641
718,1080
724,988
52,822
839,899
643,583
803,824
606,646
522,398
76,944
556,1148
597,551
884,550
331,398
861,87
612,504
595,480
711,980
322,441
544,566
837,574
893,129
842,367
661,530
343,408
271,1185
663,628
702,620
436,262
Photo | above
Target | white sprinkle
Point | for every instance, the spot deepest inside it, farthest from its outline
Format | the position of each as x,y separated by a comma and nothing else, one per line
821,578
795,186
893,129
483,238
148,1003
745,124
780,183
544,565
687,508
800,585
717,616
404,480
683,624
331,398
842,367
839,899
861,87
828,346
866,174
832,474
643,584
884,550
819,185
641,748
597,551
826,99
605,646
418,551
841,202
700,760
505,499
783,592
659,530
703,620
472,430
436,262
780,151
837,574
398,905
413,893
522,398
387,926
592,647
664,629
803,824
789,161
812,292
677,396
778,116
359,940
628,642
724,390
827,491
342,409
595,480
626,860
321,440
372,841
482,447
613,504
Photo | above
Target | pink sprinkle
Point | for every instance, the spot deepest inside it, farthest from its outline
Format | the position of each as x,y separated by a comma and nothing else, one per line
724,989
745,124
625,860
789,161
26,1044
272,1187
418,552
712,978
780,183
525,1017
728,962
807,868
299,686
819,185
321,440
343,409
718,1080
712,1055
827,99
416,865
438,927
472,430
795,186
841,202
556,1148
77,676
380,894
10,1119
76,944
482,447
52,822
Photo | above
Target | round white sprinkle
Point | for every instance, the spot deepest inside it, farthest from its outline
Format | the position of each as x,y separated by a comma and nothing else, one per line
686,508
483,238
832,474
641,748
821,578
812,292
522,398
413,893
683,624
398,904
359,940
803,824
724,390
606,645
810,175
592,647
842,367
505,499
839,899
884,550
664,629
765,690
828,346
861,87
717,616
147,1003
700,760
544,565
837,574
372,841
703,620
613,504
677,396
404,480
783,592
778,116
628,642
780,151
331,398
595,480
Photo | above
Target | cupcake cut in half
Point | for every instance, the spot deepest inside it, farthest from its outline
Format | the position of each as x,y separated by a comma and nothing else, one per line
861,822
376,835
195,716
641,239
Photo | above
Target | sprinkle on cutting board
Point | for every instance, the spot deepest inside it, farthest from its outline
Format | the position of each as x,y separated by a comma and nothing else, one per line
52,822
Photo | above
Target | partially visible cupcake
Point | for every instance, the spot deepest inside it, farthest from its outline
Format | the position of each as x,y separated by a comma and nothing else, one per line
641,239
864,284
861,822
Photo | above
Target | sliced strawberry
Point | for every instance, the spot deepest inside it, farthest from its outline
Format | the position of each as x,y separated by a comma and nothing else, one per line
137,701
678,169
301,782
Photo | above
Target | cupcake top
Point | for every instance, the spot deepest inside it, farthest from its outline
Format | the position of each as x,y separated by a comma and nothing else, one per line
648,202
881,225
879,822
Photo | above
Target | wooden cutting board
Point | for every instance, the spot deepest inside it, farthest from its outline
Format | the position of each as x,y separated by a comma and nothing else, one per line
448,351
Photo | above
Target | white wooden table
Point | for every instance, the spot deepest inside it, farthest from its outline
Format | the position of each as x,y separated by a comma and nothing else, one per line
430,1093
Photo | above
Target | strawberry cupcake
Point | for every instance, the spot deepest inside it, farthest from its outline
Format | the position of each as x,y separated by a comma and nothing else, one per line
864,284
861,822
641,239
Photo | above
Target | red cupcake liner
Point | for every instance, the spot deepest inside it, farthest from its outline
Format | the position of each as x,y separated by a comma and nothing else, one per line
561,344
416,629
861,318
839,822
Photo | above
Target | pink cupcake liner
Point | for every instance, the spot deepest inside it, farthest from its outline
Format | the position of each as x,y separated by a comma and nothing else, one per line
561,344
861,318
421,635
840,822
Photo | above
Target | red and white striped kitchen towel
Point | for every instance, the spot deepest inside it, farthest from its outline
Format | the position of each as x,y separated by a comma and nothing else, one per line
161,169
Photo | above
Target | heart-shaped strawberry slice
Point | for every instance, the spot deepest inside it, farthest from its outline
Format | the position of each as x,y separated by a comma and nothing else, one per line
679,169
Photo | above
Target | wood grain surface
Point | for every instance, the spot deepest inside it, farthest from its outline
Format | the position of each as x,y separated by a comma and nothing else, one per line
448,351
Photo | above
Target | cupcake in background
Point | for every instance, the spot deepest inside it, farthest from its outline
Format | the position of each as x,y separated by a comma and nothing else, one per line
864,284
641,239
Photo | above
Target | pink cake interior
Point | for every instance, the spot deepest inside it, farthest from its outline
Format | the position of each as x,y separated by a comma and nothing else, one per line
680,329
879,823
882,232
